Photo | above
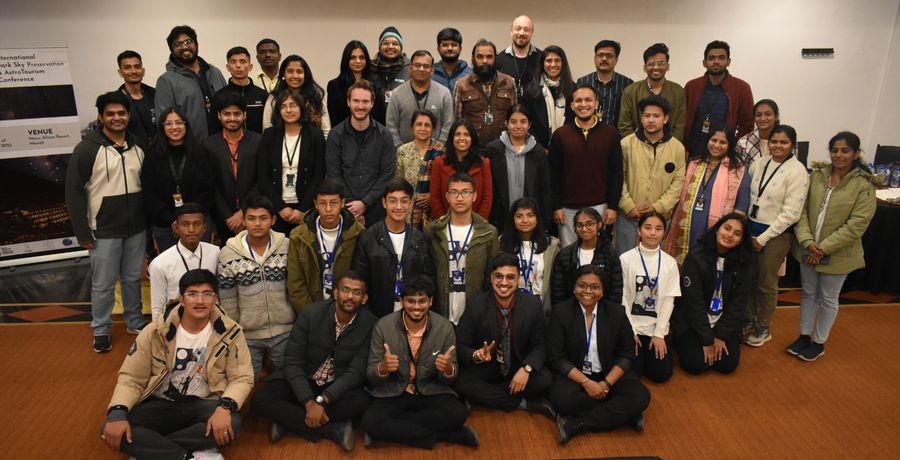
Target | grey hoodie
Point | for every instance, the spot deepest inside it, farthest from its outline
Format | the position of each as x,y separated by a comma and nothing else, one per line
179,87
515,165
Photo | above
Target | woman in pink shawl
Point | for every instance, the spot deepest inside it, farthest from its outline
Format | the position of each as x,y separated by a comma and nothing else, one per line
716,183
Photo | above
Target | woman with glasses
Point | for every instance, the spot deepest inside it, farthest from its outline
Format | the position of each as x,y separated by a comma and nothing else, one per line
551,103
296,76
174,173
590,348
591,248
414,162
828,244
524,235
355,66
290,161
518,167
715,284
715,184
461,154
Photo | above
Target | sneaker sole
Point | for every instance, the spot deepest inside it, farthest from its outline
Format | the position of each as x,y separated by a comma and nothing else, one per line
809,360
101,350
760,343
792,352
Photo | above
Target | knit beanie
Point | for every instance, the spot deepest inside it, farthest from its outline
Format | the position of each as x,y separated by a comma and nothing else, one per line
391,31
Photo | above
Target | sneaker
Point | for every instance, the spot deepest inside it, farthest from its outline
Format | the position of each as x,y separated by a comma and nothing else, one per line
470,437
101,344
812,351
341,434
749,328
276,432
637,424
137,330
798,345
760,337
208,454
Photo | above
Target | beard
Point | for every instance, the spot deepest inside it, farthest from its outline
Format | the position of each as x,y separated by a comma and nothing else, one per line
485,72
185,62
450,59
716,73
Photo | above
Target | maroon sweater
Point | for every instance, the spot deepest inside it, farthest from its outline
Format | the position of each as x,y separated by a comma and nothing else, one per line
585,171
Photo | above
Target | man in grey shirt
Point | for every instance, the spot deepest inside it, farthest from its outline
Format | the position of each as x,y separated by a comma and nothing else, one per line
419,94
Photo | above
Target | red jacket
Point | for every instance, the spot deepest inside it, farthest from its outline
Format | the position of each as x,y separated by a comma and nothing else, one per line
740,105
440,177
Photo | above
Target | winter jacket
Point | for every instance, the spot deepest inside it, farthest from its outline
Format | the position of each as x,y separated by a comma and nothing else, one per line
442,171
654,173
537,180
362,167
471,103
103,189
180,87
850,210
375,260
449,80
630,116
310,166
740,105
305,262
255,97
228,371
567,263
253,291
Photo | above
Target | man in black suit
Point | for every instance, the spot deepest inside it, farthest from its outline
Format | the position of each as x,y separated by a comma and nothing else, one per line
232,163
500,339
320,390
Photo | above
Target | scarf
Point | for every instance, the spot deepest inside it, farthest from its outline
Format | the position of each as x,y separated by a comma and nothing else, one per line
555,116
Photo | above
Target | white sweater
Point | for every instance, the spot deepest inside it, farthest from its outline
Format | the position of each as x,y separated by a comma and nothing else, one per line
782,201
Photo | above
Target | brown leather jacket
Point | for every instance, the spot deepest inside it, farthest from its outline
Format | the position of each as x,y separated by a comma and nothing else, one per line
471,103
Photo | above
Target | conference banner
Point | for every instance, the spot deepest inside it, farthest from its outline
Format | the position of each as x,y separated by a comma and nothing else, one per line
38,131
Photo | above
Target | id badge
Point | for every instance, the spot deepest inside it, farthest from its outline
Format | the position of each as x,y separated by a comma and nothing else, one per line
387,97
754,210
650,304
698,205
457,278
328,281
520,90
586,367
289,180
715,307
397,288
706,124
176,197
488,118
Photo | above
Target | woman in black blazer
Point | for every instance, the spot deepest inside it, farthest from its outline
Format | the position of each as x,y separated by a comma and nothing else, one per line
516,144
708,318
590,346
291,161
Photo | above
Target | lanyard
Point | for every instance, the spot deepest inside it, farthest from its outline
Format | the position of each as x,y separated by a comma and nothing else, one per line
200,265
763,182
293,153
526,269
176,174
457,254
587,348
398,276
704,180
654,283
327,255
247,241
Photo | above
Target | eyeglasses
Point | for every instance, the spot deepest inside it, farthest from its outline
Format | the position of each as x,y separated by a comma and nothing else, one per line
290,106
170,124
460,193
421,66
193,295
597,287
657,63
588,225
356,292
508,277
605,55
394,202
183,43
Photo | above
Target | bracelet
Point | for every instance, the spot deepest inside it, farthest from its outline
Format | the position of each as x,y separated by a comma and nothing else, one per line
582,382
608,385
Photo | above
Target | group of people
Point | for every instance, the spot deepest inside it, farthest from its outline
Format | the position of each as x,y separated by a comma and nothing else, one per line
507,220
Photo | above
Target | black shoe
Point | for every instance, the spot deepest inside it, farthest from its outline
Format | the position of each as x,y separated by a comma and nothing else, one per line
469,437
540,406
798,345
637,424
276,432
340,433
136,331
101,344
812,351
367,440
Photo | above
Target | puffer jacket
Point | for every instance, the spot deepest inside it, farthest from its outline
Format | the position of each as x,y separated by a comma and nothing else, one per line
566,265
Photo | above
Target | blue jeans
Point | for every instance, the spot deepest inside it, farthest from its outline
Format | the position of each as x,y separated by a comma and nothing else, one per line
117,258
275,346
820,298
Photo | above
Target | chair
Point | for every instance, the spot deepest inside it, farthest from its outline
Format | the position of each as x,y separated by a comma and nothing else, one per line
886,154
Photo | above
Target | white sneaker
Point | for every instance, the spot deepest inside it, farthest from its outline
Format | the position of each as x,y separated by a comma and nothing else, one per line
208,454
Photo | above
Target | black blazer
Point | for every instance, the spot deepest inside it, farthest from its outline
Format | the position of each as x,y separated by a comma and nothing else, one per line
230,192
375,260
562,280
312,341
540,125
158,184
478,324
311,166
566,338
698,281
537,182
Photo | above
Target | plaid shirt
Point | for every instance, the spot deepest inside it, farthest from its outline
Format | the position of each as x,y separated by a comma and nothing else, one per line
610,95
325,373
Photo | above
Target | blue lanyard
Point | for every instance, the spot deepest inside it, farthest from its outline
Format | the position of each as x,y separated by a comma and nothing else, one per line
587,348
654,283
247,242
399,275
457,255
526,269
327,255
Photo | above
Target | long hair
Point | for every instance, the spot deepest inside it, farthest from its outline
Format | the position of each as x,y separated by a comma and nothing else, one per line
853,142
310,90
740,254
510,240
346,75
472,158
731,154
566,83
160,145
277,120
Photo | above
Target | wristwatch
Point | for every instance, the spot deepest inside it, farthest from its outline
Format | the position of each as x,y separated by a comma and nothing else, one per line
229,404
320,400
528,368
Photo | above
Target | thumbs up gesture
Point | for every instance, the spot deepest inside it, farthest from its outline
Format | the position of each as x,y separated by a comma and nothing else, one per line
484,354
390,362
444,362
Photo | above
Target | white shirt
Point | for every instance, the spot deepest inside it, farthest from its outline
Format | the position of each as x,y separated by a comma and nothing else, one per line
585,256
290,146
166,269
397,240
187,376
647,320
592,354
458,299
535,264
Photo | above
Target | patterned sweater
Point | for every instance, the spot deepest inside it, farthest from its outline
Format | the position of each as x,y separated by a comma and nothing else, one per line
253,289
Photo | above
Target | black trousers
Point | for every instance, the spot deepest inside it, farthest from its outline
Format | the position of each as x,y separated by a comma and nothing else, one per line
162,429
484,384
415,420
690,354
277,402
647,364
626,400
